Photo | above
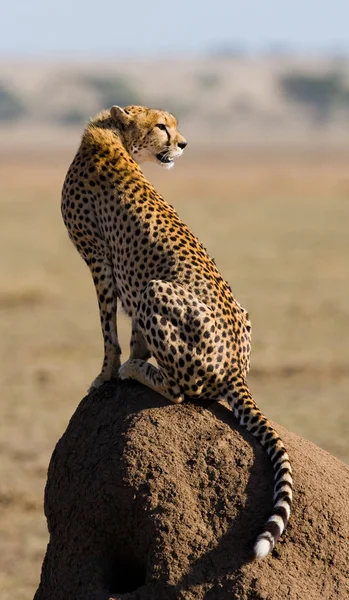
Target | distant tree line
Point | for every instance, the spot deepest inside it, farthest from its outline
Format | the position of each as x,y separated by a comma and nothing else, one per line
320,95
106,90
71,100
11,106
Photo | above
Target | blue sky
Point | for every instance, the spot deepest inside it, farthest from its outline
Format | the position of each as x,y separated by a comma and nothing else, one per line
81,28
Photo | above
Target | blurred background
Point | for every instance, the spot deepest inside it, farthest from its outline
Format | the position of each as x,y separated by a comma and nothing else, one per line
261,91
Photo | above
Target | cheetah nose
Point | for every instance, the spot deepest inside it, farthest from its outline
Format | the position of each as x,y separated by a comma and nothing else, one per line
182,145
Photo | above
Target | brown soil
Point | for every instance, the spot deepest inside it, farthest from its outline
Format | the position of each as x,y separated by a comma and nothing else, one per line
151,501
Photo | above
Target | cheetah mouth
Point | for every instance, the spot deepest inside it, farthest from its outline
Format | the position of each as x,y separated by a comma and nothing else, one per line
164,158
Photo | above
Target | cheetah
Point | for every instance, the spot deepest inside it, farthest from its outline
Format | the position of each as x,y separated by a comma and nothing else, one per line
183,312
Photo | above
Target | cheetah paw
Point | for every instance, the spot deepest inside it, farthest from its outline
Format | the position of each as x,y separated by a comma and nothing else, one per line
101,380
96,383
125,371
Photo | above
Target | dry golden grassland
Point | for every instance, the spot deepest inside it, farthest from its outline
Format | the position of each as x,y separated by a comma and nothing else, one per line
277,226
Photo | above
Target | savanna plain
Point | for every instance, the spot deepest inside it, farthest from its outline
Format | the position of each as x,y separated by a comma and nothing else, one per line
277,225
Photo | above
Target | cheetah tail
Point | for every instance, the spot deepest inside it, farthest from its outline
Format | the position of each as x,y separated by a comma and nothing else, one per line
251,418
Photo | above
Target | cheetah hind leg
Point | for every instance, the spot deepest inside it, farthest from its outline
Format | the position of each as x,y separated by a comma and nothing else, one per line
145,373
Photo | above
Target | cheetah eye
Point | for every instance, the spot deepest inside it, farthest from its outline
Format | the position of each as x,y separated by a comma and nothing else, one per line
161,126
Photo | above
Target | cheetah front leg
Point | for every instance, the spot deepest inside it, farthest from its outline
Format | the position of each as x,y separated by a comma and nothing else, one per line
103,279
138,347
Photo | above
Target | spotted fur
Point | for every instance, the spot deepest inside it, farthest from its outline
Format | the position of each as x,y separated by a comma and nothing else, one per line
183,312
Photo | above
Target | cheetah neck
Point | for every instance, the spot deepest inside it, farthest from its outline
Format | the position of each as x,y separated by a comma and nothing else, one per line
108,151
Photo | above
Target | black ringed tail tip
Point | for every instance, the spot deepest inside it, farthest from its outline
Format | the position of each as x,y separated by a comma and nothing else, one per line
240,399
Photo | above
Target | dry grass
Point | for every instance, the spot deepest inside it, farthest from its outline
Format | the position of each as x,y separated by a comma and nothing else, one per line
278,228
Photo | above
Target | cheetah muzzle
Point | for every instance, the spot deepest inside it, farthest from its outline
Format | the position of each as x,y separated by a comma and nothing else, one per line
164,158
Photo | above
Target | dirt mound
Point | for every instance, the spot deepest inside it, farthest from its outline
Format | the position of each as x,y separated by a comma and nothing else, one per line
151,501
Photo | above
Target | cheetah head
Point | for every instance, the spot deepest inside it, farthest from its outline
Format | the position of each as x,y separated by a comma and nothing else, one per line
149,134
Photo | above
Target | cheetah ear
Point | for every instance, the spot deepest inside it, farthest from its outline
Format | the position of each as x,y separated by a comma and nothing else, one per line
119,115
